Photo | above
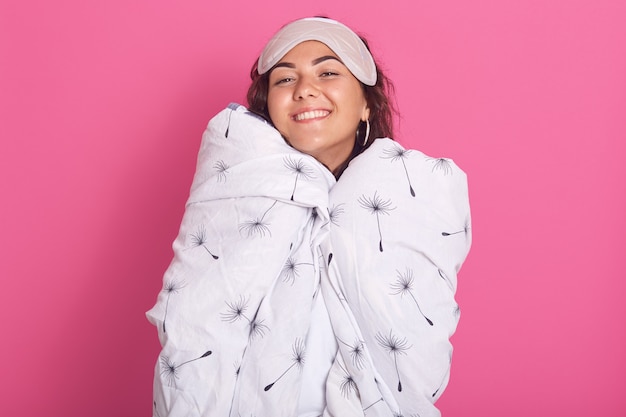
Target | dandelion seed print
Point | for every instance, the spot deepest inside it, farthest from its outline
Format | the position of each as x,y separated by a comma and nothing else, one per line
257,329
348,385
398,153
465,229
170,369
236,310
334,213
404,285
394,346
222,169
257,226
376,206
373,404
297,359
300,169
441,164
356,350
170,287
199,239
289,273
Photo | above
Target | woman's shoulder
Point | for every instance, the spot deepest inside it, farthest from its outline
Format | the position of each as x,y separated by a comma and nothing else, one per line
387,155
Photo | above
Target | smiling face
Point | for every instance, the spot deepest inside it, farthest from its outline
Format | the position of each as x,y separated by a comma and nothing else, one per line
316,103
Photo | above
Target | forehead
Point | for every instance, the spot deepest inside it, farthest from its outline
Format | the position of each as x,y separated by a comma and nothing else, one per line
308,50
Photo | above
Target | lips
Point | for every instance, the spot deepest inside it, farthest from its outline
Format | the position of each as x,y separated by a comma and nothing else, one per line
312,114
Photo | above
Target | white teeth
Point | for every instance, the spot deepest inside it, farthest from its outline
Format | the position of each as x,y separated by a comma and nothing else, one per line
311,114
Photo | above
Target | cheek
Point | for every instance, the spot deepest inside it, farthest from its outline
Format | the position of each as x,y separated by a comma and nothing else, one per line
275,105
352,98
278,112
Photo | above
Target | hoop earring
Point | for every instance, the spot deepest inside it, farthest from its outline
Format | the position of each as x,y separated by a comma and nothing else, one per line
367,131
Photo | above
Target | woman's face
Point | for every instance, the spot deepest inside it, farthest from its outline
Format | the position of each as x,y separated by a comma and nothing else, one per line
316,103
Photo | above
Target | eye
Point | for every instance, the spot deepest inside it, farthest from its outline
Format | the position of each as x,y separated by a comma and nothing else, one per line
328,74
283,80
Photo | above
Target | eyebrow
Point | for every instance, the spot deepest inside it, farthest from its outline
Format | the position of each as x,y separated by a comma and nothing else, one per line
316,61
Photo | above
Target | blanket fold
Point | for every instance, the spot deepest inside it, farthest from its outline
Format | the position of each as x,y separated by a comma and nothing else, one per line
266,230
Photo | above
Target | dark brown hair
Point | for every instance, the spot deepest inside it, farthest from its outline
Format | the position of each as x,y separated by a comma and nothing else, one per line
379,99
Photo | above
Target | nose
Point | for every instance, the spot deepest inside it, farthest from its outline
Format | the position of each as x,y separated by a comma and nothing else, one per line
305,88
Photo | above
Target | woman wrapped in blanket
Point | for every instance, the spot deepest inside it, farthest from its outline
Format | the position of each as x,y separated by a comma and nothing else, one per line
315,268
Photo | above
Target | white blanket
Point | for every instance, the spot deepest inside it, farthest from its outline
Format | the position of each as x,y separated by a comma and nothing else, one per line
266,230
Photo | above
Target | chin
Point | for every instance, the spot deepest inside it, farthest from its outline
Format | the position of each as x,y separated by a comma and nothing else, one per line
306,146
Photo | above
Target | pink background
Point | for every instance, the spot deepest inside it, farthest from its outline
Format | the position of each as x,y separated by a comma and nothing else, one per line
102,105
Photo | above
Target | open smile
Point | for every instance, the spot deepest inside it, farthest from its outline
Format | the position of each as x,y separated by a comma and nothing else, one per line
309,115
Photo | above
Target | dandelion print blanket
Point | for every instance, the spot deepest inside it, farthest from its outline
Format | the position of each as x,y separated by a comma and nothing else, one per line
266,231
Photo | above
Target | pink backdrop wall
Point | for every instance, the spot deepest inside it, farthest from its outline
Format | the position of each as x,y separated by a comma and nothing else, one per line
102,105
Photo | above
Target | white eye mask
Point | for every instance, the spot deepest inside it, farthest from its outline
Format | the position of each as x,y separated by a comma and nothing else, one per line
337,36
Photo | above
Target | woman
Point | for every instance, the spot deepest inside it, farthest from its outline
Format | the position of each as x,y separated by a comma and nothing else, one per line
266,95
296,292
